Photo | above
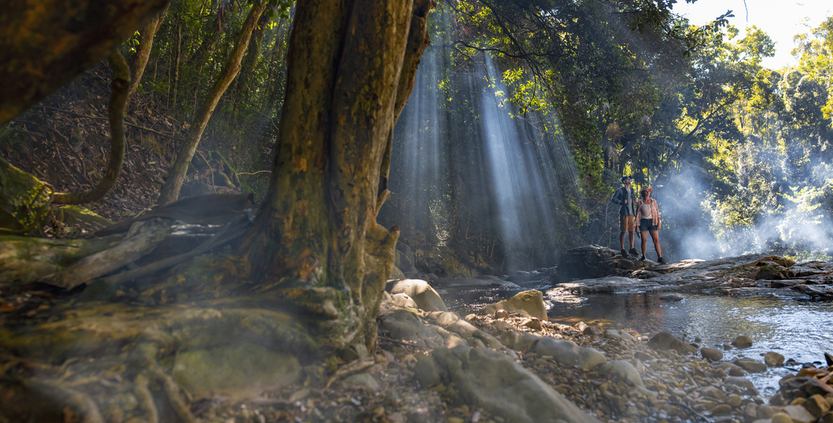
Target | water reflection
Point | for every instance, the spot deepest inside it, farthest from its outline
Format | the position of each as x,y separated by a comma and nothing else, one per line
793,328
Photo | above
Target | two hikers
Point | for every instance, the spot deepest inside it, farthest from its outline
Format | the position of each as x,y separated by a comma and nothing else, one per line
644,213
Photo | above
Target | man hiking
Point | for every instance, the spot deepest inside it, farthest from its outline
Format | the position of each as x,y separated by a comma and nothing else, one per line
626,198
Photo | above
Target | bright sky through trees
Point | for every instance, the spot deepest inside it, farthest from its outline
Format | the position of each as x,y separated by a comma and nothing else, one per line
781,20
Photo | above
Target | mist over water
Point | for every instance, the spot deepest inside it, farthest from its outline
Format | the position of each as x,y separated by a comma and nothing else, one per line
786,217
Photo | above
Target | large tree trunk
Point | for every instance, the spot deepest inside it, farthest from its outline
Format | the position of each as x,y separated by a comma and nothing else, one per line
170,191
316,240
46,43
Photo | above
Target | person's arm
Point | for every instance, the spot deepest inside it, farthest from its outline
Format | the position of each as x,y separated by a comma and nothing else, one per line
638,213
656,209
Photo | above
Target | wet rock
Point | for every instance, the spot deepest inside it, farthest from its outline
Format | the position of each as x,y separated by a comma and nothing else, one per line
361,381
423,294
750,365
711,354
773,359
507,389
665,341
589,261
670,297
740,381
802,387
773,270
501,314
742,342
568,353
528,303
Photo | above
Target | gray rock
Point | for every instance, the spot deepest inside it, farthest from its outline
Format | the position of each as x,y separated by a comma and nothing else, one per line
593,261
240,372
617,334
423,294
750,365
396,274
742,342
404,259
404,300
742,382
568,353
361,381
666,341
623,370
711,354
799,414
519,341
427,372
506,389
801,387
670,297
773,359
528,303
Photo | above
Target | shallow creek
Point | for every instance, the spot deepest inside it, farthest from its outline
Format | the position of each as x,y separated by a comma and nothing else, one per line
797,329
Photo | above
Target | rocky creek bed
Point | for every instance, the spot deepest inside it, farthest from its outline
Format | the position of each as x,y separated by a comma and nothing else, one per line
509,363
506,362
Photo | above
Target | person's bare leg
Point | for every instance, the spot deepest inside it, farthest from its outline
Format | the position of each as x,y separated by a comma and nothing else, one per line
644,242
655,237
630,236
622,240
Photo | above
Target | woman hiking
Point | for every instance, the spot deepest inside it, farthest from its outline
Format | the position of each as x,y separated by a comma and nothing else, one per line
647,217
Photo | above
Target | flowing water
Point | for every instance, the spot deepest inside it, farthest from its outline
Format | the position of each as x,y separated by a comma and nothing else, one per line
797,329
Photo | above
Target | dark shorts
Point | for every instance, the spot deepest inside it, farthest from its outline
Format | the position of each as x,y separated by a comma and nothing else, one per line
646,225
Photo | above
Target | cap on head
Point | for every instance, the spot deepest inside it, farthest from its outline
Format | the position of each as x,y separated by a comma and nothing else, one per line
625,177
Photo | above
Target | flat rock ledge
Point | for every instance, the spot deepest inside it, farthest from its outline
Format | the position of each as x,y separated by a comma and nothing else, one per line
744,275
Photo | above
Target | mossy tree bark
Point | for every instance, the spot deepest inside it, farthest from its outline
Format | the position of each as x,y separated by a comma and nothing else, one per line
316,240
46,43
170,191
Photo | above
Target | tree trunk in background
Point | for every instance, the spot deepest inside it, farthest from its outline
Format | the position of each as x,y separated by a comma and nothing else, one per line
170,191
82,32
316,241
140,59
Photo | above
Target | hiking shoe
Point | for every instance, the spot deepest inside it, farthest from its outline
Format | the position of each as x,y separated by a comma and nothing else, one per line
660,260
624,253
642,259
633,251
